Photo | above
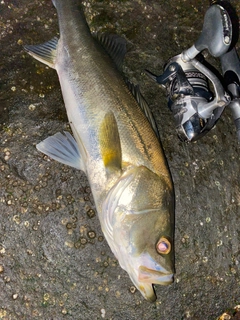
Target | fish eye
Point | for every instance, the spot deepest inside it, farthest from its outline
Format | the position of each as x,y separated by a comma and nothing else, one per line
163,246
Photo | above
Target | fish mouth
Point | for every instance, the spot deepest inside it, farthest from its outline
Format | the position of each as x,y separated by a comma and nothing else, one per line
154,276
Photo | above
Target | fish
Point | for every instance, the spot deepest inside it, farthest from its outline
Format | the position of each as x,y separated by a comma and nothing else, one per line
115,143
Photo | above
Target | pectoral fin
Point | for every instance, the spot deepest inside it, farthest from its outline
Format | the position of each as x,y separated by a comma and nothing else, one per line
45,53
62,148
110,145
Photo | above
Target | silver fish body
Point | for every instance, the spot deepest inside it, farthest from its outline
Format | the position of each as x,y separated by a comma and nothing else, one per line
116,147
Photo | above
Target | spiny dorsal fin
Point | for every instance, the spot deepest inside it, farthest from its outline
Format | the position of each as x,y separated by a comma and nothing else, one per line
45,53
110,145
115,47
143,104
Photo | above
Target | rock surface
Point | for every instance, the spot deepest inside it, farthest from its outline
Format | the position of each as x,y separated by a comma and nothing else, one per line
54,261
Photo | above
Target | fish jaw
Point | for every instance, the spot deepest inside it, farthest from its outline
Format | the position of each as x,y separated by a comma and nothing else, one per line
146,287
147,290
154,277
145,277
149,273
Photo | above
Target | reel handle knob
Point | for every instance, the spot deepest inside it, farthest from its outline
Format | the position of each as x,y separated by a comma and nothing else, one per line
216,35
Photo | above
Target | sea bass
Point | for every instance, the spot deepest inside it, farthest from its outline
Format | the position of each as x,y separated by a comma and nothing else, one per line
115,143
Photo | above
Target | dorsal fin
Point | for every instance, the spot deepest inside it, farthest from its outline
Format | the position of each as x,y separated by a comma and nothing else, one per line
144,106
115,47
45,52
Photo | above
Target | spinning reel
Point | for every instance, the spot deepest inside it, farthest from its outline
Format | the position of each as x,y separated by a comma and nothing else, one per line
186,77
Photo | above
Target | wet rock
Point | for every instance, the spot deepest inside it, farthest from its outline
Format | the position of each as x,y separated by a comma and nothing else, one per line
46,256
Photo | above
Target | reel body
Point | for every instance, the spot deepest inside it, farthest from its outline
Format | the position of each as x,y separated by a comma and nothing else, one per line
189,97
186,78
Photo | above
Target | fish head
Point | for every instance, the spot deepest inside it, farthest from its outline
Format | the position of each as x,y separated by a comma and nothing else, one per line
140,219
151,250
152,256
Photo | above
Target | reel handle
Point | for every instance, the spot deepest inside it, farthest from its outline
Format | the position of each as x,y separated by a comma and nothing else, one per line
231,70
216,35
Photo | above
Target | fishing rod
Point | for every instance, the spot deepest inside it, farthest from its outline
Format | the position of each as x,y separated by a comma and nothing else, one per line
186,77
